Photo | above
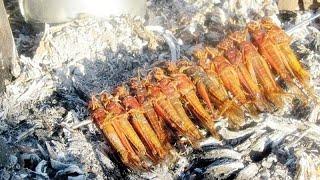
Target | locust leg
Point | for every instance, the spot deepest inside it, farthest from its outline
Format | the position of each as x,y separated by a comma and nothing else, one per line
123,127
253,89
302,75
104,121
261,70
167,110
227,107
202,91
144,130
156,122
121,145
206,120
189,95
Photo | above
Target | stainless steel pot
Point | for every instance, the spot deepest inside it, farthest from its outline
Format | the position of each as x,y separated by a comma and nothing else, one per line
58,11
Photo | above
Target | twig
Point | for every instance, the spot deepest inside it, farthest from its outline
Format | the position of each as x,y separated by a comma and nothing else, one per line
81,124
303,23
170,40
293,144
25,134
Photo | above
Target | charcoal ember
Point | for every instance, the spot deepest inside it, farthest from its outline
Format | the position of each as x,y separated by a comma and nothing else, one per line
65,171
287,16
298,154
300,110
13,160
280,124
244,147
41,169
209,158
214,22
72,171
213,38
22,174
3,125
29,161
268,162
263,146
280,171
286,156
79,177
209,146
272,168
195,174
264,174
188,35
316,41
4,153
4,174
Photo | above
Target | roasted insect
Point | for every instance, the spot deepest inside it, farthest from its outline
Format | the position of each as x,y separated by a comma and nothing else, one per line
140,123
212,87
169,111
140,92
269,51
258,68
184,86
252,89
104,120
282,41
234,80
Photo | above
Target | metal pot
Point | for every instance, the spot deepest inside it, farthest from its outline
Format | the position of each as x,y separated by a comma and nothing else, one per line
58,11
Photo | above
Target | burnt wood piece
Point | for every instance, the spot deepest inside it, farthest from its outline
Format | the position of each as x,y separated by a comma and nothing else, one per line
8,52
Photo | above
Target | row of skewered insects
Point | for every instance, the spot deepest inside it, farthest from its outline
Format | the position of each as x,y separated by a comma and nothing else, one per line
236,78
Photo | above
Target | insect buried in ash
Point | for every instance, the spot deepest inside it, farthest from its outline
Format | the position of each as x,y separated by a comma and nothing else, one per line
142,118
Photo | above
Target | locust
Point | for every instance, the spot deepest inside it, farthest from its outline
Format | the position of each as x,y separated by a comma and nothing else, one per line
143,120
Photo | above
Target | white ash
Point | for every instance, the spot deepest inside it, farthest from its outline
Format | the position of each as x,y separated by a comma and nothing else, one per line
89,55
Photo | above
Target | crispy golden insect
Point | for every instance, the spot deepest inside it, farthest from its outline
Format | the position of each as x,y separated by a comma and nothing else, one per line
202,57
229,77
231,81
270,51
275,57
235,57
188,95
157,123
204,62
104,120
168,87
223,82
140,123
258,68
123,127
282,41
221,67
168,112
218,65
214,89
